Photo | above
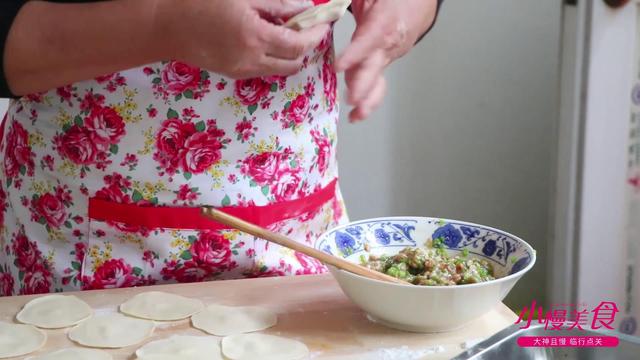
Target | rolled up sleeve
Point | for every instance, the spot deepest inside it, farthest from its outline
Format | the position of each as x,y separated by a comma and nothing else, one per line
8,11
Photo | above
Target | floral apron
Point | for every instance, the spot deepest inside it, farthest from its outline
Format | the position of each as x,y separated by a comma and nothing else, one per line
102,180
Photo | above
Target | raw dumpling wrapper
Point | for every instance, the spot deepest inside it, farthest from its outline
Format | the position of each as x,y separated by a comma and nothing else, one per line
263,347
111,331
161,306
179,347
54,311
18,339
230,320
320,14
74,354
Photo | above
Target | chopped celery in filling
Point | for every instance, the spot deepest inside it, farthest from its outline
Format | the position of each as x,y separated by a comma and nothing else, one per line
431,266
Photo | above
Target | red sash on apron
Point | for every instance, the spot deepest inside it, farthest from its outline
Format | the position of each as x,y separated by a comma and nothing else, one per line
183,217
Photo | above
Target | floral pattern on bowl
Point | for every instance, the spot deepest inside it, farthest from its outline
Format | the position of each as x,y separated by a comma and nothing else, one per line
508,253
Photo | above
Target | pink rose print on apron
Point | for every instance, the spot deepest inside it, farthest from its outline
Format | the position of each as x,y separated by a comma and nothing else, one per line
102,180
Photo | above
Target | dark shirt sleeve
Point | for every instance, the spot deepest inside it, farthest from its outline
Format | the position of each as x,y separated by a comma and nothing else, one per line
8,11
434,21
432,24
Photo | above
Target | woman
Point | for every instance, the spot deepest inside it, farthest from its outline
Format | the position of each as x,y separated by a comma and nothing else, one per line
102,179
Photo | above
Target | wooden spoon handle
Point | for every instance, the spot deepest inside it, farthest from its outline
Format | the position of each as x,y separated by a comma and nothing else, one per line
236,223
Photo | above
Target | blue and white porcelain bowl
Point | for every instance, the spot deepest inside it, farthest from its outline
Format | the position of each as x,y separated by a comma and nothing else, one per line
426,308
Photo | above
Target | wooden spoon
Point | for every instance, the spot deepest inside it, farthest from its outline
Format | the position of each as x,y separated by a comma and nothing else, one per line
239,224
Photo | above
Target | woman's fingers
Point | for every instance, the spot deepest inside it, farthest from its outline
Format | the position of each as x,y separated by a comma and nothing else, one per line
272,9
366,85
361,79
284,43
276,50
366,39
370,102
276,66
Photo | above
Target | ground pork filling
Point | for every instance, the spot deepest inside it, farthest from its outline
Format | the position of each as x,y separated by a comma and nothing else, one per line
431,266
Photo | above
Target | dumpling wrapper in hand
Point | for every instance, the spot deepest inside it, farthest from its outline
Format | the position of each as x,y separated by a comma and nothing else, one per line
320,14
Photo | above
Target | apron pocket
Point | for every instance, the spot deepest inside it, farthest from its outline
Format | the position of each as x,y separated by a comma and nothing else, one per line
125,254
133,245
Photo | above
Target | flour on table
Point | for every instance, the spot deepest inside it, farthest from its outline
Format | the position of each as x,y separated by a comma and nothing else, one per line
54,311
74,354
169,324
18,339
161,306
230,320
263,347
405,353
104,311
179,347
111,331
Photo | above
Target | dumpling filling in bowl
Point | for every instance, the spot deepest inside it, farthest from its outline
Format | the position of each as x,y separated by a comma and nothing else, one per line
460,275
431,266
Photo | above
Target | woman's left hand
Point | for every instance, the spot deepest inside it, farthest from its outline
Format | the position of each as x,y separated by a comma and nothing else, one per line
384,32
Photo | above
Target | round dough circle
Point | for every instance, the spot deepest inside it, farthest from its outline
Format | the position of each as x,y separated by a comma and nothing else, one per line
74,354
179,347
18,339
263,347
161,306
54,311
111,331
230,320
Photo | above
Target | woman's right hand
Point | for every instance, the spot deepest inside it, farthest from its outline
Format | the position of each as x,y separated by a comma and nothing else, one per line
239,39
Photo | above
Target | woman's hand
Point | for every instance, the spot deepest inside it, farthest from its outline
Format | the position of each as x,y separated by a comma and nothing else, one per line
55,44
385,31
240,39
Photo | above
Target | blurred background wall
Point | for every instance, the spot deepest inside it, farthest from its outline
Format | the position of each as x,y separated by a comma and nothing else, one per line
467,128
